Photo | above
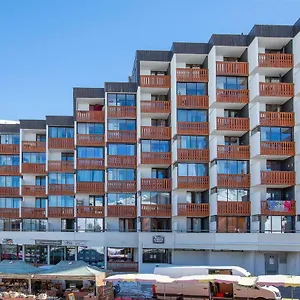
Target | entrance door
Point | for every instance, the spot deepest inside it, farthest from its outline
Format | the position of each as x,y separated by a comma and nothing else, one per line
271,264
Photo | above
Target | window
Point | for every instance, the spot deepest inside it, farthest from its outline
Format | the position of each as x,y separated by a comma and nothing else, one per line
232,167
90,152
197,197
191,115
272,79
90,128
156,224
159,73
34,225
36,254
68,225
274,107
159,122
96,201
231,141
119,254
121,174
277,224
40,202
192,142
159,97
67,157
231,113
273,165
197,224
157,256
160,173
9,181
61,178
155,198
40,180
192,169
9,160
41,138
11,252
127,225
232,83
61,132
121,149
233,224
119,124
233,195
92,256
61,201
9,139
10,225
121,199
155,146
121,99
90,176
34,158
10,202
90,224
276,134
191,88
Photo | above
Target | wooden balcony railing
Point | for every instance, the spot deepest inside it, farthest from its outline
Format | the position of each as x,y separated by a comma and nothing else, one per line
284,119
192,128
155,184
156,210
156,158
234,180
90,163
9,191
93,188
193,182
192,75
233,152
155,81
232,68
61,189
277,148
127,267
277,178
34,190
10,170
155,133
32,146
234,208
157,107
128,112
90,211
61,212
9,149
278,208
121,186
90,140
120,161
28,168
186,101
60,143
193,210
233,124
232,96
276,89
60,166
193,155
121,136
33,213
121,211
90,116
275,60
9,213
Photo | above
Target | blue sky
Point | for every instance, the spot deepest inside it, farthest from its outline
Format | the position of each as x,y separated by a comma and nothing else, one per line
49,46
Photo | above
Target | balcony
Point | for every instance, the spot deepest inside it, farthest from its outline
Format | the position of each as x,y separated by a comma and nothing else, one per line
61,143
233,152
156,210
34,190
233,124
155,81
156,158
192,155
9,191
121,186
90,140
155,184
28,168
10,170
234,208
118,112
155,133
90,211
121,136
92,188
90,163
275,60
33,213
278,208
121,211
197,102
276,89
278,178
32,146
126,267
282,119
118,161
9,149
193,182
192,128
61,212
232,68
193,210
9,213
232,96
90,116
156,107
61,189
277,148
61,166
191,75
233,180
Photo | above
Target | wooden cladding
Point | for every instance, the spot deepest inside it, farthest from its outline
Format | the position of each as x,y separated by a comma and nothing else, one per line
233,124
90,211
189,101
275,60
9,213
156,158
9,149
232,68
33,146
128,112
155,184
90,163
90,116
34,190
158,107
60,143
9,191
193,155
277,148
121,136
276,89
61,189
283,119
193,210
92,188
233,152
233,208
156,210
155,81
33,213
61,212
121,186
233,180
192,128
127,267
121,211
10,170
119,161
90,140
278,208
61,166
155,133
277,178
232,96
29,168
193,182
191,75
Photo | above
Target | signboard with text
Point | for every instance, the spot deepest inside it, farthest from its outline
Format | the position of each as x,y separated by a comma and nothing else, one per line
158,239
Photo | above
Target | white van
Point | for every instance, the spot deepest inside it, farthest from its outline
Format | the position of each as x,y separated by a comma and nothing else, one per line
193,290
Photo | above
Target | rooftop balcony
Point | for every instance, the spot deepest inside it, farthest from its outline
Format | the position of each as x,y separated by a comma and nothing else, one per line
61,143
90,163
232,68
61,166
155,133
275,60
193,182
156,210
9,213
276,89
10,170
233,152
61,212
121,161
233,180
118,112
277,148
155,184
92,188
9,149
278,208
192,155
156,158
233,124
33,146
61,189
95,140
28,168
121,186
33,213
121,211
233,208
191,75
277,178
90,116
90,211
193,210
282,119
156,107
121,136
34,190
192,128
9,191
155,81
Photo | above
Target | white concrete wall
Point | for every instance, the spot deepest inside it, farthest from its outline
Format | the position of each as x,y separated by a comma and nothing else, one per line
253,85
253,55
296,47
255,144
173,96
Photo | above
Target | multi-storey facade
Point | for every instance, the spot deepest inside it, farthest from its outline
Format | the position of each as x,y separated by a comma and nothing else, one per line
192,162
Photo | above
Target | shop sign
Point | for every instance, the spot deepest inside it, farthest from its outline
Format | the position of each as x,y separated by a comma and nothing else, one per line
158,239
48,242
7,241
73,243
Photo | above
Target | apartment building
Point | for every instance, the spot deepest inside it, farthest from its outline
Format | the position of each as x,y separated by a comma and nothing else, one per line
193,161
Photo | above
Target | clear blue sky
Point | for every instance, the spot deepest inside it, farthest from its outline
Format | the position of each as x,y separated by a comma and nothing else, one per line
49,46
